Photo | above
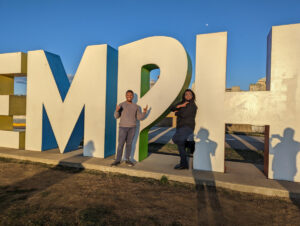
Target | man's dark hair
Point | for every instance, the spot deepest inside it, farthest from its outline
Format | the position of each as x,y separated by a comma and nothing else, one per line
129,91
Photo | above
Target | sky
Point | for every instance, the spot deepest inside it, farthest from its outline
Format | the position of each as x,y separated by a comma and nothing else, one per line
66,27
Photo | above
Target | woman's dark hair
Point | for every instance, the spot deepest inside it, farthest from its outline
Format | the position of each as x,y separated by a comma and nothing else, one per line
129,91
193,94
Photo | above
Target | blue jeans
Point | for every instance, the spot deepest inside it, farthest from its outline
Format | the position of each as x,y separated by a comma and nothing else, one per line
179,138
126,134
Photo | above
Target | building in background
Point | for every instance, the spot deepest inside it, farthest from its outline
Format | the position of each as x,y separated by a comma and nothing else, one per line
233,89
260,85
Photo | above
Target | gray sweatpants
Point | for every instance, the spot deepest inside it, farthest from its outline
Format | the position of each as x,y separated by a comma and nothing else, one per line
126,134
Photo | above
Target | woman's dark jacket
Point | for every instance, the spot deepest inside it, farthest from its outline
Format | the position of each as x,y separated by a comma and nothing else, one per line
185,115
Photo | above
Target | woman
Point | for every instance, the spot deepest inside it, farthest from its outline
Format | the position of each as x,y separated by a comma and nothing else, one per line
186,113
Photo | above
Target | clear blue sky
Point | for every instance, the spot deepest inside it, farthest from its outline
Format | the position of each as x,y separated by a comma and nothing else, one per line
66,27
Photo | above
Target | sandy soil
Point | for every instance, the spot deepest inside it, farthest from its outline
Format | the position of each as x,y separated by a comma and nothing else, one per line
36,194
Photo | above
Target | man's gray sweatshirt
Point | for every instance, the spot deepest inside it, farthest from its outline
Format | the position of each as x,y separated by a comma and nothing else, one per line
129,113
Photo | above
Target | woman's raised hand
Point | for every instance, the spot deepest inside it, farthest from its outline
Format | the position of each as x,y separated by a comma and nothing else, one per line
182,105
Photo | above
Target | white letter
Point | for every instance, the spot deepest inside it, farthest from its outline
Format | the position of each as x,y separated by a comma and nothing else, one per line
278,107
136,59
11,65
87,106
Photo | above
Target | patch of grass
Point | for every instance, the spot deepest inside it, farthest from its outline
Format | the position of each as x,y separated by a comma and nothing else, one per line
164,180
98,215
85,201
176,223
9,197
45,194
176,184
11,160
136,179
153,220
255,134
34,215
117,175
6,159
17,212
94,172
249,156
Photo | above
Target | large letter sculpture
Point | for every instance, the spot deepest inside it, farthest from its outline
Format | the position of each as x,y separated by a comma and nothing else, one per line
136,60
277,108
11,65
58,114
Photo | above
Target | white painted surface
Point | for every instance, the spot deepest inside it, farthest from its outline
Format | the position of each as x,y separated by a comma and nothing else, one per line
278,107
4,103
13,63
170,56
210,91
9,139
88,89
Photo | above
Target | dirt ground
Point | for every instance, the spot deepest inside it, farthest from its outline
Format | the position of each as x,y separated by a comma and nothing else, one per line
36,194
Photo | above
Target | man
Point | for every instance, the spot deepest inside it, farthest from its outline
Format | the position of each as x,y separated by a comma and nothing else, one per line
129,113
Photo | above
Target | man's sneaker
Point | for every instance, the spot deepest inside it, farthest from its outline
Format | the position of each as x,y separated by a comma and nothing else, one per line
115,163
129,163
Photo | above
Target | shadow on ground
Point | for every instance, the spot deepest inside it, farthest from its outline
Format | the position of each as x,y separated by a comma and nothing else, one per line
23,190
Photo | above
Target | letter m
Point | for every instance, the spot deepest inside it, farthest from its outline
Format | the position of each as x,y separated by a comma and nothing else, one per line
62,115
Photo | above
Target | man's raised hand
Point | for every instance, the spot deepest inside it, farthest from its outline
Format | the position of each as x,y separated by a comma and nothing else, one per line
145,109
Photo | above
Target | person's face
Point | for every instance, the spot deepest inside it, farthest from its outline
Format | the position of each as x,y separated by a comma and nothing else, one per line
188,95
129,96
